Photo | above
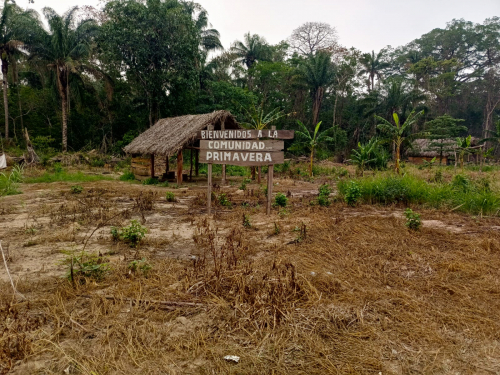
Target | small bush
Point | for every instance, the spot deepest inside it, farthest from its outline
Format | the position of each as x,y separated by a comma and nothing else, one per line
352,193
324,195
127,176
246,221
97,162
170,196
243,186
224,200
280,200
140,266
133,234
342,172
76,189
151,181
9,185
412,219
86,266
58,168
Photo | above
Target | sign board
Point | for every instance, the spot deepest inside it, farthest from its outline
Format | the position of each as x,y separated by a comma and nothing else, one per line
243,158
245,134
243,147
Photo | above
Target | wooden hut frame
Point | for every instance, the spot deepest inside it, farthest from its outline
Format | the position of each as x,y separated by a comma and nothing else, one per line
170,136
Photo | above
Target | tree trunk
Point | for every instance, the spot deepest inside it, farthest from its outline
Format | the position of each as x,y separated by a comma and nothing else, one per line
398,149
61,85
311,166
5,70
318,98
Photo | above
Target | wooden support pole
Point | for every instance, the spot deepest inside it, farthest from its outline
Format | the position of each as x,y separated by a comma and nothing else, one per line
197,163
152,165
167,164
209,187
191,165
270,172
223,127
259,174
179,167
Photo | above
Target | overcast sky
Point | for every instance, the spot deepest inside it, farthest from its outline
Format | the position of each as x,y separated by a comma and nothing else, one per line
365,24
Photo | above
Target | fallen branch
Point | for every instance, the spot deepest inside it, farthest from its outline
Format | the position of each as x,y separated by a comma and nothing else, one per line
167,305
8,273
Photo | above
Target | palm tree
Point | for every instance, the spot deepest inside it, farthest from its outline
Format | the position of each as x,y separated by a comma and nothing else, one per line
396,132
317,73
304,139
254,48
14,22
373,66
65,50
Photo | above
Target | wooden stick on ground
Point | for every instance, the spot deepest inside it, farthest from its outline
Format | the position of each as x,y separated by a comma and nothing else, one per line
8,273
167,305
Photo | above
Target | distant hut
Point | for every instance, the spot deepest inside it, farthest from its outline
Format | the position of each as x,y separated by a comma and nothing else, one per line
421,151
169,136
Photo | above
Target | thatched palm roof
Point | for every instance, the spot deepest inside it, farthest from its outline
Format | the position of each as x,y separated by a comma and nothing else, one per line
421,147
170,135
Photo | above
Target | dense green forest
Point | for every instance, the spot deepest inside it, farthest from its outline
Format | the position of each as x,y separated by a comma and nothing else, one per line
95,78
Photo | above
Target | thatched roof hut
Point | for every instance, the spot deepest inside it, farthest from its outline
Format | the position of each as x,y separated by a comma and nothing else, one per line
170,135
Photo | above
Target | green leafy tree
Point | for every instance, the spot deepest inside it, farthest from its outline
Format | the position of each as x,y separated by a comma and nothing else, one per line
65,49
306,140
317,73
442,131
397,133
14,27
157,46
373,65
254,48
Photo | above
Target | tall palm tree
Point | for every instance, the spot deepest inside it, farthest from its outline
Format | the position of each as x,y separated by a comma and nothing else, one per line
14,24
253,48
65,50
317,73
373,66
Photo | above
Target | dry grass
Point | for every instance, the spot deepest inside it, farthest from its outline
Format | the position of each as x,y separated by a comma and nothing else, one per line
337,290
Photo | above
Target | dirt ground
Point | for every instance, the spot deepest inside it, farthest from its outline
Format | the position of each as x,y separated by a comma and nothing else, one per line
306,290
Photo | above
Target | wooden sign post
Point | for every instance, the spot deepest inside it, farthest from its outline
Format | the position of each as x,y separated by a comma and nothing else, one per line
245,148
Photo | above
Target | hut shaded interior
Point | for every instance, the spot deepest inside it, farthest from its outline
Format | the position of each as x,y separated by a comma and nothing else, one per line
169,136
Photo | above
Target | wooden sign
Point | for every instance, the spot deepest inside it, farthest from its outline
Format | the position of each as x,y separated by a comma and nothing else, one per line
245,134
251,145
242,147
243,158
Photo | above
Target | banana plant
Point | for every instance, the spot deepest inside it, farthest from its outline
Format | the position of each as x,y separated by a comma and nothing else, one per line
396,132
463,145
364,155
304,139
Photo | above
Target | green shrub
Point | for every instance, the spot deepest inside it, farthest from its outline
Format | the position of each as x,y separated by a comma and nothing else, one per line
352,193
342,172
224,200
246,221
57,168
133,234
170,196
128,175
76,189
151,181
324,195
412,219
9,184
86,266
280,200
243,186
97,162
140,266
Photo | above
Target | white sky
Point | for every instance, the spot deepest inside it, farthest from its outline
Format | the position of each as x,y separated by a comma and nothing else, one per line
364,24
